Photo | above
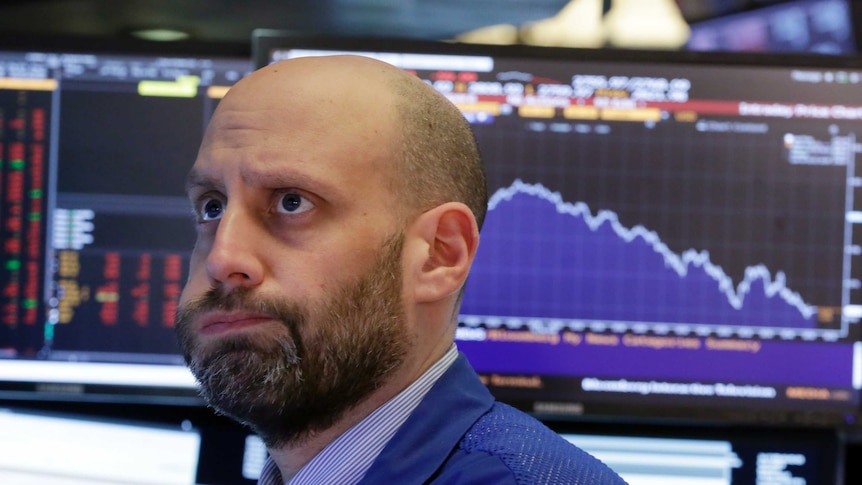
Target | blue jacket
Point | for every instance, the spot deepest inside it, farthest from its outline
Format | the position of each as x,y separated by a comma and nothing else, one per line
460,435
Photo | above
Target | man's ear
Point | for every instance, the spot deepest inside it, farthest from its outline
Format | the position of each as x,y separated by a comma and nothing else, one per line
449,237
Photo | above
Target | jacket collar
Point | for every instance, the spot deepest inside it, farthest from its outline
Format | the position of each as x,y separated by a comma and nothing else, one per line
435,428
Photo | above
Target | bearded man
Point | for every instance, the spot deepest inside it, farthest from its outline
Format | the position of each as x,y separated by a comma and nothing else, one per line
338,204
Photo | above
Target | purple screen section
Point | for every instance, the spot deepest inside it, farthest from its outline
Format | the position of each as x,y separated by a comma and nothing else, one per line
775,362
547,258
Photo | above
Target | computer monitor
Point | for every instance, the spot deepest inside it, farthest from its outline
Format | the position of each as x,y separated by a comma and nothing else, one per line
67,449
670,235
816,26
718,456
96,229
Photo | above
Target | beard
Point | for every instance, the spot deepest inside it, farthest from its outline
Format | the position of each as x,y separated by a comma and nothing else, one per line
317,363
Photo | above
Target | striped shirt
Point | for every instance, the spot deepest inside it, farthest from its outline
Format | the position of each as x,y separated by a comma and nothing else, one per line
347,459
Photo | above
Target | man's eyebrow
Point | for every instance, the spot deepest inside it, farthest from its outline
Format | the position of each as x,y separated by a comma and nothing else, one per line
196,179
281,177
274,177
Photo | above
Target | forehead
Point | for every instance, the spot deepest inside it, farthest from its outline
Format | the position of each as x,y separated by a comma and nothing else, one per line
309,123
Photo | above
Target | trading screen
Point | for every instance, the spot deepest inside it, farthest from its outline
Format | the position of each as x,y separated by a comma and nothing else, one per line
664,234
660,233
96,227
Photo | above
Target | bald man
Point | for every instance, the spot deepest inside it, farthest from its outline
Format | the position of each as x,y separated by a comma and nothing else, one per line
338,204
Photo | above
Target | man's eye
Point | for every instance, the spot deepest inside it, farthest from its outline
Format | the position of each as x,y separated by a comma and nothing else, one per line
293,203
211,209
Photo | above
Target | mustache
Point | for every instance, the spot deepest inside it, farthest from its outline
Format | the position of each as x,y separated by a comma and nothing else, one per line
239,299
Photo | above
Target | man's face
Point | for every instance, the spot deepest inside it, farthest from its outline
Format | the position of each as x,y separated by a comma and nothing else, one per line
288,382
292,312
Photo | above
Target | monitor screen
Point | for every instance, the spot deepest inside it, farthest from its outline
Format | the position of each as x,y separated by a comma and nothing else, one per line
69,449
96,228
670,234
718,457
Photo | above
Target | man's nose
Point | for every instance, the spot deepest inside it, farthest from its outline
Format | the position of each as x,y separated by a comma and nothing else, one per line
234,258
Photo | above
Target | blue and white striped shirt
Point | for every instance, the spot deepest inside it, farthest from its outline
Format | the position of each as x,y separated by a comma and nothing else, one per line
347,459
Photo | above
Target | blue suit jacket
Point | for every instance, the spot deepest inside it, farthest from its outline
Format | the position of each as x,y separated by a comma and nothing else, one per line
460,435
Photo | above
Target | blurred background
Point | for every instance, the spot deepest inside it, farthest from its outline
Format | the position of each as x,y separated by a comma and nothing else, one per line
822,26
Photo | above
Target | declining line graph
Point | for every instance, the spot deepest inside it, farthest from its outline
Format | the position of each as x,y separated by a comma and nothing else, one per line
542,257
679,263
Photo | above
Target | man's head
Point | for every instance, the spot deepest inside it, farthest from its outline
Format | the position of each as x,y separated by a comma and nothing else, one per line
337,202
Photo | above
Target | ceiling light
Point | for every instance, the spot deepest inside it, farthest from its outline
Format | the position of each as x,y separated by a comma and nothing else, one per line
646,24
502,34
161,35
578,24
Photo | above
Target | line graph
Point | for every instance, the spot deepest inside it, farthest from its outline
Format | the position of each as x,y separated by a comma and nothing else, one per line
566,266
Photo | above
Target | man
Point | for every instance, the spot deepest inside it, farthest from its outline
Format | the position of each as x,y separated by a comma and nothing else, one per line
338,204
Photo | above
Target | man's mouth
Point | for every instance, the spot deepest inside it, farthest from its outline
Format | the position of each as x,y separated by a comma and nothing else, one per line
219,322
